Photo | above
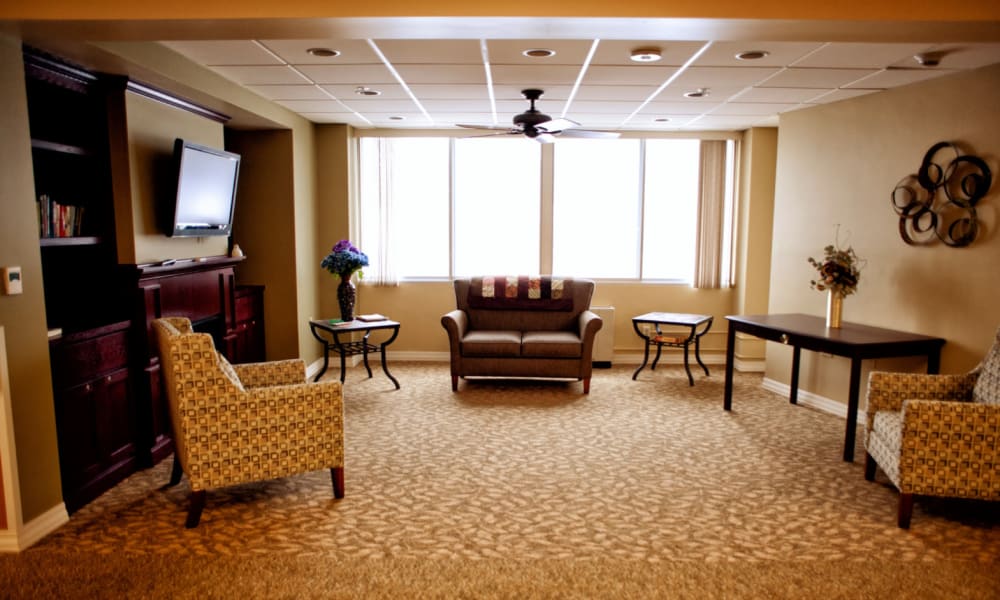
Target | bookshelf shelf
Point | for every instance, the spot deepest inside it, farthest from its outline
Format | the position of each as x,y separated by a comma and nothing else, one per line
60,148
80,240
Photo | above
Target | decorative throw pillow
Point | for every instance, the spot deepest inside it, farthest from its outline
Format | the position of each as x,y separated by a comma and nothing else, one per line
987,388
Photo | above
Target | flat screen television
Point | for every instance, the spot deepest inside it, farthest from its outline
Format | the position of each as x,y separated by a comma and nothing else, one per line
206,190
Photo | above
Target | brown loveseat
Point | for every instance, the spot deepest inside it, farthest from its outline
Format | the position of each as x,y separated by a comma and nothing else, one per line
522,327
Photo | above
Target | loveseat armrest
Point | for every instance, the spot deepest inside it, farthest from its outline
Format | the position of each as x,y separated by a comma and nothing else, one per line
456,323
277,372
887,391
947,433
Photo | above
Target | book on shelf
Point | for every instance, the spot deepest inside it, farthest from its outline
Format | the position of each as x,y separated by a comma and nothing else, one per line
372,317
58,220
55,332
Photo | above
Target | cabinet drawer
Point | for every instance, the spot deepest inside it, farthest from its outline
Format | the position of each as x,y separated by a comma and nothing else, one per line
84,358
249,303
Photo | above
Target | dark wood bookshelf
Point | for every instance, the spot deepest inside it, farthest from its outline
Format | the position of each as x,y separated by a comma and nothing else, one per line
60,147
79,240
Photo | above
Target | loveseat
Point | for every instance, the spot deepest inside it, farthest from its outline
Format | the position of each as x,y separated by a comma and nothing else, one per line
510,326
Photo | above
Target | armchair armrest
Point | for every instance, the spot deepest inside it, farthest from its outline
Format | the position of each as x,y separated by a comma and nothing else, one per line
888,391
456,323
278,372
589,324
940,435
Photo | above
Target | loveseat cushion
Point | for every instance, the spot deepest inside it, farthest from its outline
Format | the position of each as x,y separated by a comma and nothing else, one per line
551,344
492,343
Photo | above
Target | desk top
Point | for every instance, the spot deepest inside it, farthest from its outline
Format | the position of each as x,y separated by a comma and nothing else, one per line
666,318
810,326
356,325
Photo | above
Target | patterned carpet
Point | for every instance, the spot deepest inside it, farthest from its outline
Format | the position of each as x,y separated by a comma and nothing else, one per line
650,470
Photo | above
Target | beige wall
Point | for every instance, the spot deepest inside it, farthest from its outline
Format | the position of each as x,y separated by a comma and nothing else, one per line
264,228
23,317
837,164
152,127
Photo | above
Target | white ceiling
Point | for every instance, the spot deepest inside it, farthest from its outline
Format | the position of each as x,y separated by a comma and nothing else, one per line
427,83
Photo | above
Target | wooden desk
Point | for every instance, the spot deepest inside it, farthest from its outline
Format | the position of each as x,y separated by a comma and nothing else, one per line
345,349
857,342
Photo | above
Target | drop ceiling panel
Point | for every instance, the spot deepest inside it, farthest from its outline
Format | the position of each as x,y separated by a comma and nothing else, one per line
816,78
294,52
315,106
681,108
891,78
224,52
259,75
368,106
401,52
634,93
965,56
449,73
452,91
389,91
731,78
753,108
290,92
780,95
370,74
649,74
838,95
780,54
855,55
511,52
512,91
619,52
539,76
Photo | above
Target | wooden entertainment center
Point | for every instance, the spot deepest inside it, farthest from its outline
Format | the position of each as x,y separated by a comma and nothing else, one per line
111,416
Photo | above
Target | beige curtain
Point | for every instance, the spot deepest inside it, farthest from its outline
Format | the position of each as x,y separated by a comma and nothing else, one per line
711,216
384,274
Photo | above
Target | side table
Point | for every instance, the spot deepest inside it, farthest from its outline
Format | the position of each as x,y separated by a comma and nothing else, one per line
328,333
698,326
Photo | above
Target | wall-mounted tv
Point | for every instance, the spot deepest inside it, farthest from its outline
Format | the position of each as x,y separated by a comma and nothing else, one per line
206,190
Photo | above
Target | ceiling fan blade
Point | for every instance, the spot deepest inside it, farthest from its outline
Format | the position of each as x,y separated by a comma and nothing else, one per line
490,127
555,125
588,133
494,134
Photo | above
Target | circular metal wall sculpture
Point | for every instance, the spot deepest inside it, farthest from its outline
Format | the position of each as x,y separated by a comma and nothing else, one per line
939,201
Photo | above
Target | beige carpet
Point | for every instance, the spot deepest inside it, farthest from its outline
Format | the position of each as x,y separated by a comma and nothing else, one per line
531,489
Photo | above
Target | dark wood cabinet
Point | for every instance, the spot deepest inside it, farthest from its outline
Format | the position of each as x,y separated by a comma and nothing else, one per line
247,341
95,413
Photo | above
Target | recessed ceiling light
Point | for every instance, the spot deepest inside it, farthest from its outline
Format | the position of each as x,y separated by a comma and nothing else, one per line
323,52
698,93
397,118
539,52
661,120
366,91
646,55
752,55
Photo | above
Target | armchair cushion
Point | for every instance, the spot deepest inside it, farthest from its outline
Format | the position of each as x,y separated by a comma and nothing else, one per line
987,389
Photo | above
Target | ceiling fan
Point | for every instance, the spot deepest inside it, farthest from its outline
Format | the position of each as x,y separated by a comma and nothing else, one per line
539,126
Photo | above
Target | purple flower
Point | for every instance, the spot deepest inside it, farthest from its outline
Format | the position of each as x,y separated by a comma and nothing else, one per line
344,259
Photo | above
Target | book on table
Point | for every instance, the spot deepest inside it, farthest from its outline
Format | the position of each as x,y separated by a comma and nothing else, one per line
372,317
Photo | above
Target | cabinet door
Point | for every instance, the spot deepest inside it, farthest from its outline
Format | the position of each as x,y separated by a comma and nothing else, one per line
79,449
115,418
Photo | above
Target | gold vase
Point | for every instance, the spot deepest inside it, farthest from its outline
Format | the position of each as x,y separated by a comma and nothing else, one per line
834,309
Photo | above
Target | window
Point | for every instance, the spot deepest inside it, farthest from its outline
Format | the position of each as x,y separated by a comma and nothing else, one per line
648,209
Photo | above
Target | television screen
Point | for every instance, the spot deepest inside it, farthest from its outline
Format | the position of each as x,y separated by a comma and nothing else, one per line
206,190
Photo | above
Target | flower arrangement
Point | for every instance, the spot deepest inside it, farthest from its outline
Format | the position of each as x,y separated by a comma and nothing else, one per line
839,270
344,259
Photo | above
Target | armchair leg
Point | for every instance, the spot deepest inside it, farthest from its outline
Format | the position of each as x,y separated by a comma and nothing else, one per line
337,476
869,467
905,510
194,512
586,385
454,383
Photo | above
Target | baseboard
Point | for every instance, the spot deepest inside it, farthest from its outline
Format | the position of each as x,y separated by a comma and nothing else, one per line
38,528
811,400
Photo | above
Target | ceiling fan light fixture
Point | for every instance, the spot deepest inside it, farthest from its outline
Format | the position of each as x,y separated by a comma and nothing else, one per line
362,90
698,93
645,55
323,52
752,55
539,53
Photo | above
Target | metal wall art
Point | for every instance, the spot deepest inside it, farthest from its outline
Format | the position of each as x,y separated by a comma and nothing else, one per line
939,201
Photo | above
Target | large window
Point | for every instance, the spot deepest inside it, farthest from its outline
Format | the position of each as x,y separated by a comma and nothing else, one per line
632,209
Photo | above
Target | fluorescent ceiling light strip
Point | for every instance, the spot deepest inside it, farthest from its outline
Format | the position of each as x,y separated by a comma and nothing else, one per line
489,80
669,80
322,90
579,77
399,79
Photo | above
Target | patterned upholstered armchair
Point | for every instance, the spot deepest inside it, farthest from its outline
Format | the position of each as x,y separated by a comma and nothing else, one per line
239,423
936,435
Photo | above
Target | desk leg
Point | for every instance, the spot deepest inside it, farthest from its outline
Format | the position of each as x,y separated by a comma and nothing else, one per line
687,365
364,352
385,367
697,353
852,409
343,357
659,348
727,397
645,355
793,395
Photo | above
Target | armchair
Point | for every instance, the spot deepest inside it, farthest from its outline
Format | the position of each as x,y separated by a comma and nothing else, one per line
936,435
235,424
